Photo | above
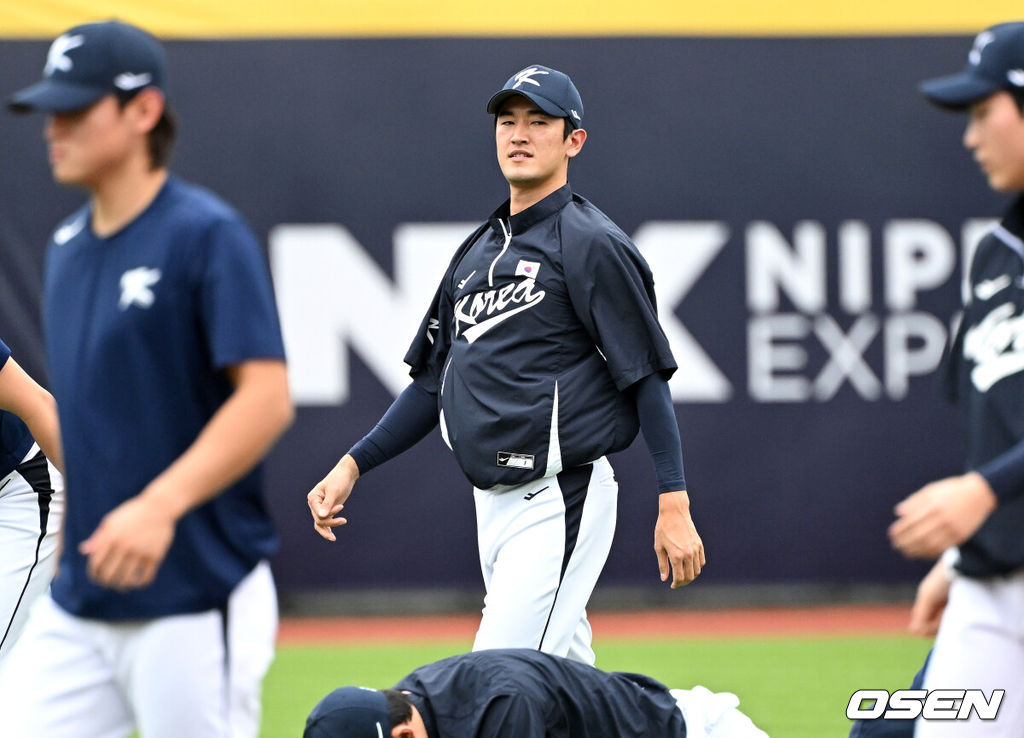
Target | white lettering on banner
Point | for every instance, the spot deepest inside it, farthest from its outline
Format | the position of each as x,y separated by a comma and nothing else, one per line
919,255
910,704
333,298
678,253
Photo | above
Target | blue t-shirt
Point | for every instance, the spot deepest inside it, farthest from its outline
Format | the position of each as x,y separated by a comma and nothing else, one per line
541,322
15,440
139,328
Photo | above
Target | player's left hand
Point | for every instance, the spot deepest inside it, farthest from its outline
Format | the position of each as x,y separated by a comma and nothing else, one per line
941,514
680,550
128,546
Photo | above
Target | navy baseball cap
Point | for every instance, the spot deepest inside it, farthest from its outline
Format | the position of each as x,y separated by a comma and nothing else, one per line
995,63
90,61
350,712
552,90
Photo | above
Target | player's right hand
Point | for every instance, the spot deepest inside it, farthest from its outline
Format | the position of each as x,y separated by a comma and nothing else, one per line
328,497
932,595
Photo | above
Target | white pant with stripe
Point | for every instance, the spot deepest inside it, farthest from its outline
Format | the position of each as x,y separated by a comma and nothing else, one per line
543,545
980,645
183,676
31,511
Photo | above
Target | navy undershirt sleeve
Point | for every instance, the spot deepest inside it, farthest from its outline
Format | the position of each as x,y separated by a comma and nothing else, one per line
661,433
411,416
1005,474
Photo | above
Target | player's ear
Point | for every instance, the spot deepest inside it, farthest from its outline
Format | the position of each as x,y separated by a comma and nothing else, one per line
576,140
403,731
146,107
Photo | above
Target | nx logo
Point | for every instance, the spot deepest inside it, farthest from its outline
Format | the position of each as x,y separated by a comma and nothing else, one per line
57,58
909,704
335,300
527,76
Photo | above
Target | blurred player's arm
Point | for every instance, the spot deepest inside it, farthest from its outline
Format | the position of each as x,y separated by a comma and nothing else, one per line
129,544
411,416
679,548
948,512
930,602
23,396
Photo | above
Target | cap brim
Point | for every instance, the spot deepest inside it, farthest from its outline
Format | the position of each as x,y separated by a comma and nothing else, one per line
494,104
49,96
958,91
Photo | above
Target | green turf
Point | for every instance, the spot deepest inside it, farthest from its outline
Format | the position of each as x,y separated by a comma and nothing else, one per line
792,688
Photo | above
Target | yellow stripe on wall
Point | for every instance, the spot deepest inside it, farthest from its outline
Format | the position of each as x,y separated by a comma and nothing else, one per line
384,18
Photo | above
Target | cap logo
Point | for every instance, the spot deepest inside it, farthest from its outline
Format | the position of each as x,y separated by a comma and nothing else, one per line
527,76
575,115
128,81
984,39
57,59
1016,77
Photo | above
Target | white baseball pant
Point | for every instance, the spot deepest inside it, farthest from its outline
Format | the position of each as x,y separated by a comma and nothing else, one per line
197,675
543,545
31,510
980,645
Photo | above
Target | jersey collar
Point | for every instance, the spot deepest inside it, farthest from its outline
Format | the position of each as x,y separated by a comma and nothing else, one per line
533,214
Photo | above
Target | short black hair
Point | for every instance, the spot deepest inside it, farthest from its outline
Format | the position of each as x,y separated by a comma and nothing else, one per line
399,707
1017,93
161,137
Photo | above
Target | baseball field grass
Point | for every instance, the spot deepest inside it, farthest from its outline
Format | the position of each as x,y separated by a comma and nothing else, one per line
791,685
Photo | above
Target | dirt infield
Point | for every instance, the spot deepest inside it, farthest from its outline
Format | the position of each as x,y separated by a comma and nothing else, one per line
750,623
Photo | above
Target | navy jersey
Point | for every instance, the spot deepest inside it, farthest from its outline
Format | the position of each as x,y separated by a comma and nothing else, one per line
986,372
523,693
540,322
139,328
15,440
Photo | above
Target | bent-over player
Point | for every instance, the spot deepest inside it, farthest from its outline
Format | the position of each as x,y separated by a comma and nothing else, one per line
166,360
977,587
522,693
540,354
31,495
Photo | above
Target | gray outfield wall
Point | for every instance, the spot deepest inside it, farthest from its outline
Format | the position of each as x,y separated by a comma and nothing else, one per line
805,212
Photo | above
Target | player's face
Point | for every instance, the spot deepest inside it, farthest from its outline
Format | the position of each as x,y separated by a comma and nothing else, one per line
85,145
533,152
995,134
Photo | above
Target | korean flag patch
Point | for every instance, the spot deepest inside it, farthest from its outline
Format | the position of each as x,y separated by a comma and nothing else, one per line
528,269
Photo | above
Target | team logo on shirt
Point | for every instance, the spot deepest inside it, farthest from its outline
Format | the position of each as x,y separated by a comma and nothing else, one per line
136,287
68,231
996,346
479,312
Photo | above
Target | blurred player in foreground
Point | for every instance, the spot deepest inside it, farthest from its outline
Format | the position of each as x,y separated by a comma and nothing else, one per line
166,360
540,354
31,495
974,596
522,693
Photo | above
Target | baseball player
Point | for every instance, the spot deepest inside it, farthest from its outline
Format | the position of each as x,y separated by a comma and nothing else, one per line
523,693
977,586
31,495
540,354
166,360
